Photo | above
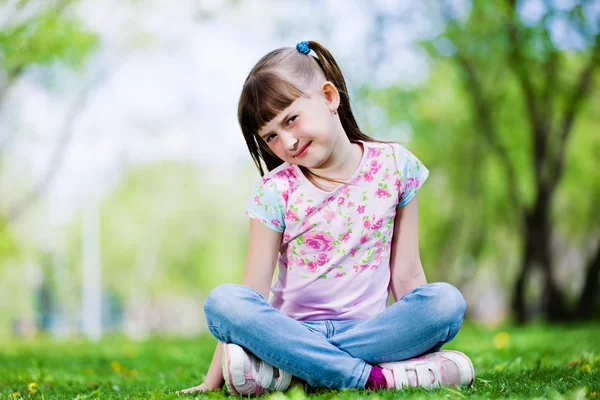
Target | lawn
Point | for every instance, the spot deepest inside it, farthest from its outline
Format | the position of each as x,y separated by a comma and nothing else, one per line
524,362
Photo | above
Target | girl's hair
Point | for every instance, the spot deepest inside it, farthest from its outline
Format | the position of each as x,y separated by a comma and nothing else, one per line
268,90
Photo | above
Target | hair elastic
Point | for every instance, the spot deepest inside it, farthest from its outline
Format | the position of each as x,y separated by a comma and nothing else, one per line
303,47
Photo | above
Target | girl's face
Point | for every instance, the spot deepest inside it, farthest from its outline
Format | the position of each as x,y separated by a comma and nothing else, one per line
305,133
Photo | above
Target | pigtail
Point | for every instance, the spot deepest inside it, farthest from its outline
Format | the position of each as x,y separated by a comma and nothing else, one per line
333,73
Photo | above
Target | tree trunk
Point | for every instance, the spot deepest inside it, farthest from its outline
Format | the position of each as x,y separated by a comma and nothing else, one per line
537,253
553,300
519,305
589,295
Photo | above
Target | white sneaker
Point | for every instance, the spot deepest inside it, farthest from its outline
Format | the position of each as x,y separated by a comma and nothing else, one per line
441,368
245,374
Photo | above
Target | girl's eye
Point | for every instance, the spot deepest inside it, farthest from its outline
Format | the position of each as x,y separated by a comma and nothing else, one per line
270,137
289,121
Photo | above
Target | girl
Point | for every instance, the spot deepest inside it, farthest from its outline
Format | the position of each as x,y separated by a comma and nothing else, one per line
338,211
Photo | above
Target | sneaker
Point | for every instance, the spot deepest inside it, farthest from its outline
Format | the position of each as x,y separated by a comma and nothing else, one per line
245,374
441,368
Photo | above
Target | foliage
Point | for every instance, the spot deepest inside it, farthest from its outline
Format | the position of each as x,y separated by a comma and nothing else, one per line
38,35
493,125
8,244
44,38
537,361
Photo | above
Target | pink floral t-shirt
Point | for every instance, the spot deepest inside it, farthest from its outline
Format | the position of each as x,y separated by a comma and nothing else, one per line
334,260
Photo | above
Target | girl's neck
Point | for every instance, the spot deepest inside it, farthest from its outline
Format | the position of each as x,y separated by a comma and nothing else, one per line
343,162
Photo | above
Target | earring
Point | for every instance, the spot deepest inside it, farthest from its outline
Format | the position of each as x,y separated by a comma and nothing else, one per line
334,112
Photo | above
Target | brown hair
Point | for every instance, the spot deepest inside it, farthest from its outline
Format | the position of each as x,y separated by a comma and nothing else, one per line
267,92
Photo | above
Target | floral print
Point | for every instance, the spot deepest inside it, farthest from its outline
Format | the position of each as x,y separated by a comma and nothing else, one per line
318,241
337,236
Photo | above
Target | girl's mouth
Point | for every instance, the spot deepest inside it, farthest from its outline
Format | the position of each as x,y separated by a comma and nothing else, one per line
303,151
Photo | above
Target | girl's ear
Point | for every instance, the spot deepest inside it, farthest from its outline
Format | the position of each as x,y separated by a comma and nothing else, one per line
331,94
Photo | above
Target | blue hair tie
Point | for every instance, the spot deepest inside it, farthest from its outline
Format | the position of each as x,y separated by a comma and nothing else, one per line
303,47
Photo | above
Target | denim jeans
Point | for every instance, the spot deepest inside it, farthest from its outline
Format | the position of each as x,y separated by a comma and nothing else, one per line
336,354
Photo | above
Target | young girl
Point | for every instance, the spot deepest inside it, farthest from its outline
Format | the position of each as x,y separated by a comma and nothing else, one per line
337,210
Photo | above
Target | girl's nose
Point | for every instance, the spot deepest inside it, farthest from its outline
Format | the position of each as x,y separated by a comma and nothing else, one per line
289,141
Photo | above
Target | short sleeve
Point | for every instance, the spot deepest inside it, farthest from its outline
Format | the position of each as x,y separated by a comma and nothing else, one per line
267,205
412,175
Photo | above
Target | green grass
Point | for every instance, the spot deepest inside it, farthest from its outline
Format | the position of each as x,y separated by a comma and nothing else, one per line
535,361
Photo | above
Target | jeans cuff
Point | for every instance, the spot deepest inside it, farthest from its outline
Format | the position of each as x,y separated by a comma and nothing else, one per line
364,376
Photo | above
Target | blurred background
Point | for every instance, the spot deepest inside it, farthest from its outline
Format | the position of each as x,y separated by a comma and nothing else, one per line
124,174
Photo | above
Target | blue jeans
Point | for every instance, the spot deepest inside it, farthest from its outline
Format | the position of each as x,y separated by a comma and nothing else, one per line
336,354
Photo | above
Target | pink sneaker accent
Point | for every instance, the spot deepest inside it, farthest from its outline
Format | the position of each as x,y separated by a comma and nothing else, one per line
442,368
245,374
389,378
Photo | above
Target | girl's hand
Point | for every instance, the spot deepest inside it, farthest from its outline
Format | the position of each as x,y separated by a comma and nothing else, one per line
200,388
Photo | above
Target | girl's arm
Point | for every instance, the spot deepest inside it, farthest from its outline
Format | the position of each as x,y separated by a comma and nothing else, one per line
263,247
214,376
405,263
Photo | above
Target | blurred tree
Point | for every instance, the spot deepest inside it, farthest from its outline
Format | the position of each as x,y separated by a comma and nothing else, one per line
8,245
40,34
166,227
510,120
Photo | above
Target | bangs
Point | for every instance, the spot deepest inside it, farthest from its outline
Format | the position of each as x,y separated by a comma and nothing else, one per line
265,95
